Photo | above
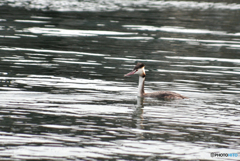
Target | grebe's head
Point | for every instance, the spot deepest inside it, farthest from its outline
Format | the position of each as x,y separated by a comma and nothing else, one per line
138,69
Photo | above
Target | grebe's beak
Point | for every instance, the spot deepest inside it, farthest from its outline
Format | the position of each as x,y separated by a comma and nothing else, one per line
131,73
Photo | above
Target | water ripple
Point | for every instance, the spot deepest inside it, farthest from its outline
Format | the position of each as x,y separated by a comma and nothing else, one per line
50,51
200,41
174,29
31,21
66,32
237,61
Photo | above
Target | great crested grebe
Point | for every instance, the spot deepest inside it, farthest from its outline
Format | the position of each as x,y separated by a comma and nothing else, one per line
139,70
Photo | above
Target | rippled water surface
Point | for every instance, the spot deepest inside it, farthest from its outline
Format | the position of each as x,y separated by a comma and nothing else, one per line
64,97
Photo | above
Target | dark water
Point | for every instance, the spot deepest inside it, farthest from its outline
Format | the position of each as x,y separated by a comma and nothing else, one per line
64,97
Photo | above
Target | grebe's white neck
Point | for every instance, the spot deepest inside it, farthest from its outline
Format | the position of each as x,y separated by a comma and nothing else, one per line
141,86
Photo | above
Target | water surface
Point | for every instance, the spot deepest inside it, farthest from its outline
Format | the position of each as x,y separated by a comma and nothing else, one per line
64,97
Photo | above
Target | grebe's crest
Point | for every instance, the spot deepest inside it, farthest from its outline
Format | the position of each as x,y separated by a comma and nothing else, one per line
138,66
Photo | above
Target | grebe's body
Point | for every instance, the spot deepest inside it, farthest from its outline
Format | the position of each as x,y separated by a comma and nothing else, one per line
139,70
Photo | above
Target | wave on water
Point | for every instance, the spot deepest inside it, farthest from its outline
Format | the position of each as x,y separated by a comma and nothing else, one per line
114,5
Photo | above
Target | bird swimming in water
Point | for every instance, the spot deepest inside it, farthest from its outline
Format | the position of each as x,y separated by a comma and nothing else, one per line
139,70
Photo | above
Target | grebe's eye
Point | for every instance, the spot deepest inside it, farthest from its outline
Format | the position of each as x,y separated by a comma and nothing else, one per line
136,70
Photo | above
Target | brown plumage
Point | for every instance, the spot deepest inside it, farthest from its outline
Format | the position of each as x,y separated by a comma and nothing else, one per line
165,95
139,70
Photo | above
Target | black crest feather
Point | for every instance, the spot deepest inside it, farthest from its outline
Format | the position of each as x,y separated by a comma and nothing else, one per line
138,66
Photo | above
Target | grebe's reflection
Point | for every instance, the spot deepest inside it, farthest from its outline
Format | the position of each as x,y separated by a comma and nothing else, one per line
140,102
137,116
